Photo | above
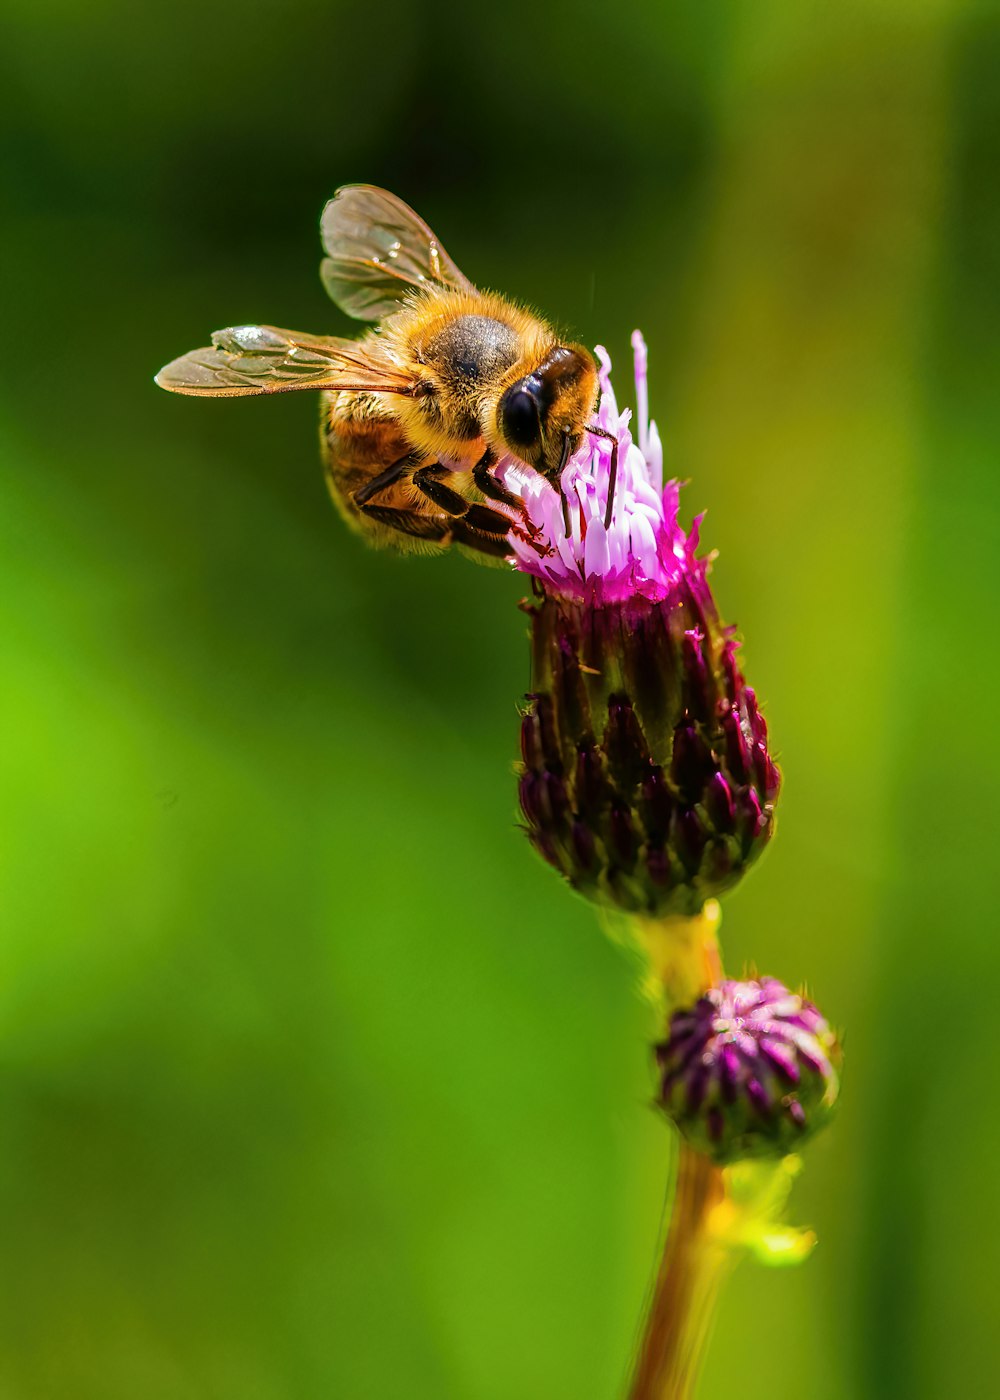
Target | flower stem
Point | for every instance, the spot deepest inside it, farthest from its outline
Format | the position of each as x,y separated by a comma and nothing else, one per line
684,960
694,1266
681,954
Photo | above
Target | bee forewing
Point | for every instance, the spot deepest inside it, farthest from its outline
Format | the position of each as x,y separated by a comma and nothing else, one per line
245,360
379,249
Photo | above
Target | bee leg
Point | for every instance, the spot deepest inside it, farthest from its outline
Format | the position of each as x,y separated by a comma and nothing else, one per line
488,521
385,479
492,522
494,490
410,522
483,530
612,471
494,545
428,480
471,513
612,482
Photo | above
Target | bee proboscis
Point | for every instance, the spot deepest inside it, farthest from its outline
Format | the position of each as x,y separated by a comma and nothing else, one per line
416,413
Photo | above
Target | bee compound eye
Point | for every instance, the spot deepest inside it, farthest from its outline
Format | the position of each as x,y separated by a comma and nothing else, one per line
519,411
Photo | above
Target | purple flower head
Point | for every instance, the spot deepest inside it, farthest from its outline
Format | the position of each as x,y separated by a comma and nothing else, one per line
750,1070
644,553
647,781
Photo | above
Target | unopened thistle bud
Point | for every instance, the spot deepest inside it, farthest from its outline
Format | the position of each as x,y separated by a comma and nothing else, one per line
646,777
750,1070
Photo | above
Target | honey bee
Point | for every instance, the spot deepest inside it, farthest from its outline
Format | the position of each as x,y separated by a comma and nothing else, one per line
417,413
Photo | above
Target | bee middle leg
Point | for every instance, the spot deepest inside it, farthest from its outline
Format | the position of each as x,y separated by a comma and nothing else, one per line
428,480
480,518
470,519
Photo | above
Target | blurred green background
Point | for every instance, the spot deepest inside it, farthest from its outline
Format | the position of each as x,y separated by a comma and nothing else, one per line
314,1082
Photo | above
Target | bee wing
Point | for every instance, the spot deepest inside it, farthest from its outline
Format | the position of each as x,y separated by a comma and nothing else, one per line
379,249
265,360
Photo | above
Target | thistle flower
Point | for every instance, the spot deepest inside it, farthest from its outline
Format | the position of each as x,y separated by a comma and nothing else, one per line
750,1070
646,778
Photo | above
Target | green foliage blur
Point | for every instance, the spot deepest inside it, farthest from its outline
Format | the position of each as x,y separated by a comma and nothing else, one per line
314,1082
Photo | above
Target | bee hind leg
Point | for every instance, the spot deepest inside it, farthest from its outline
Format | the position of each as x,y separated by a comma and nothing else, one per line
495,546
410,522
385,479
483,530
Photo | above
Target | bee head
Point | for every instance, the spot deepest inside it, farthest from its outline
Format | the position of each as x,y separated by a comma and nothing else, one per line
541,417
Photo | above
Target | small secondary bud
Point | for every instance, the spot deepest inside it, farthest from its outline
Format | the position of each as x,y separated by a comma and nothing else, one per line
750,1070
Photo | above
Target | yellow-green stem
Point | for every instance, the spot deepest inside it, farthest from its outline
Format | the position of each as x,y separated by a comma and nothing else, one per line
684,961
682,955
695,1263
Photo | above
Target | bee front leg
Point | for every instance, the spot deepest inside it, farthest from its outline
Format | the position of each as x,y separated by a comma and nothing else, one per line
494,490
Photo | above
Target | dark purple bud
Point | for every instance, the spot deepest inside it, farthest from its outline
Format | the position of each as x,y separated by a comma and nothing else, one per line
736,748
527,792
764,772
727,1064
758,727
783,1056
554,800
531,740
732,680
584,847
729,1076
697,688
691,765
570,695
696,1085
656,805
658,866
551,752
719,804
545,847
687,838
645,744
622,835
543,799
758,1096
591,791
625,745
807,1019
796,1112
718,862
771,778
750,819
